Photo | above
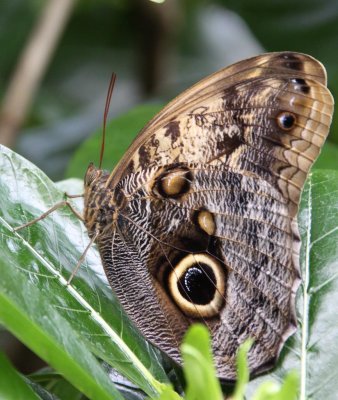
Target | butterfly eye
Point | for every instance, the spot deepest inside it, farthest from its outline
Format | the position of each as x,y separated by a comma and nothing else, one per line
286,120
197,285
91,174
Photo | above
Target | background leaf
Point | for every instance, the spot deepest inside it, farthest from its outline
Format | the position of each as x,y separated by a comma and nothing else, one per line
313,350
271,390
13,386
328,158
57,385
242,370
199,369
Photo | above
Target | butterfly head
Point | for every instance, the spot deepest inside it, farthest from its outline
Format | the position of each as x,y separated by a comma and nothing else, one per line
96,200
92,175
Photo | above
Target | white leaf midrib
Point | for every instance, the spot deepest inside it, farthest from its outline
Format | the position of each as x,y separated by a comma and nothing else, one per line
306,297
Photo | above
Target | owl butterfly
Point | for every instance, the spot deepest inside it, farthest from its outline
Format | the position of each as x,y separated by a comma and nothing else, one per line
197,223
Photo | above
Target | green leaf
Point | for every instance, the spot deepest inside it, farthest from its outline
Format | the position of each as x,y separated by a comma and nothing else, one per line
120,133
318,336
12,385
273,391
169,394
313,350
242,370
267,390
66,325
328,158
59,345
290,387
56,384
199,369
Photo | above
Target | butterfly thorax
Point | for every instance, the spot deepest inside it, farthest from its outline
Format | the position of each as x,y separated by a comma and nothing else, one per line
100,210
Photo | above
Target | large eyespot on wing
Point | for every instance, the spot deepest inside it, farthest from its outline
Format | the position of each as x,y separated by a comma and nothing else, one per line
197,285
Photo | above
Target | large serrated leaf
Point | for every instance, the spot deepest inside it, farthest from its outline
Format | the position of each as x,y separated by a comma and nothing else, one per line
67,325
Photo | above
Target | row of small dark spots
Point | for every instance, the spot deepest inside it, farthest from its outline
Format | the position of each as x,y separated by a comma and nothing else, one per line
302,85
292,62
287,120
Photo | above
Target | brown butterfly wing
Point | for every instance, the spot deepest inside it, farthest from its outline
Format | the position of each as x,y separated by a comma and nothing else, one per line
227,220
167,125
206,198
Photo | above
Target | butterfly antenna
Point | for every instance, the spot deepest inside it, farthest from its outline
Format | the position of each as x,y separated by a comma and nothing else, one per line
105,115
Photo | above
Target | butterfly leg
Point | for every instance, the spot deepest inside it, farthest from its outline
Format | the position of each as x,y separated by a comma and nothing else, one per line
74,196
63,203
83,256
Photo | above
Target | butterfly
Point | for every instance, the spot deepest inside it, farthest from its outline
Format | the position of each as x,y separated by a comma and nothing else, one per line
198,221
